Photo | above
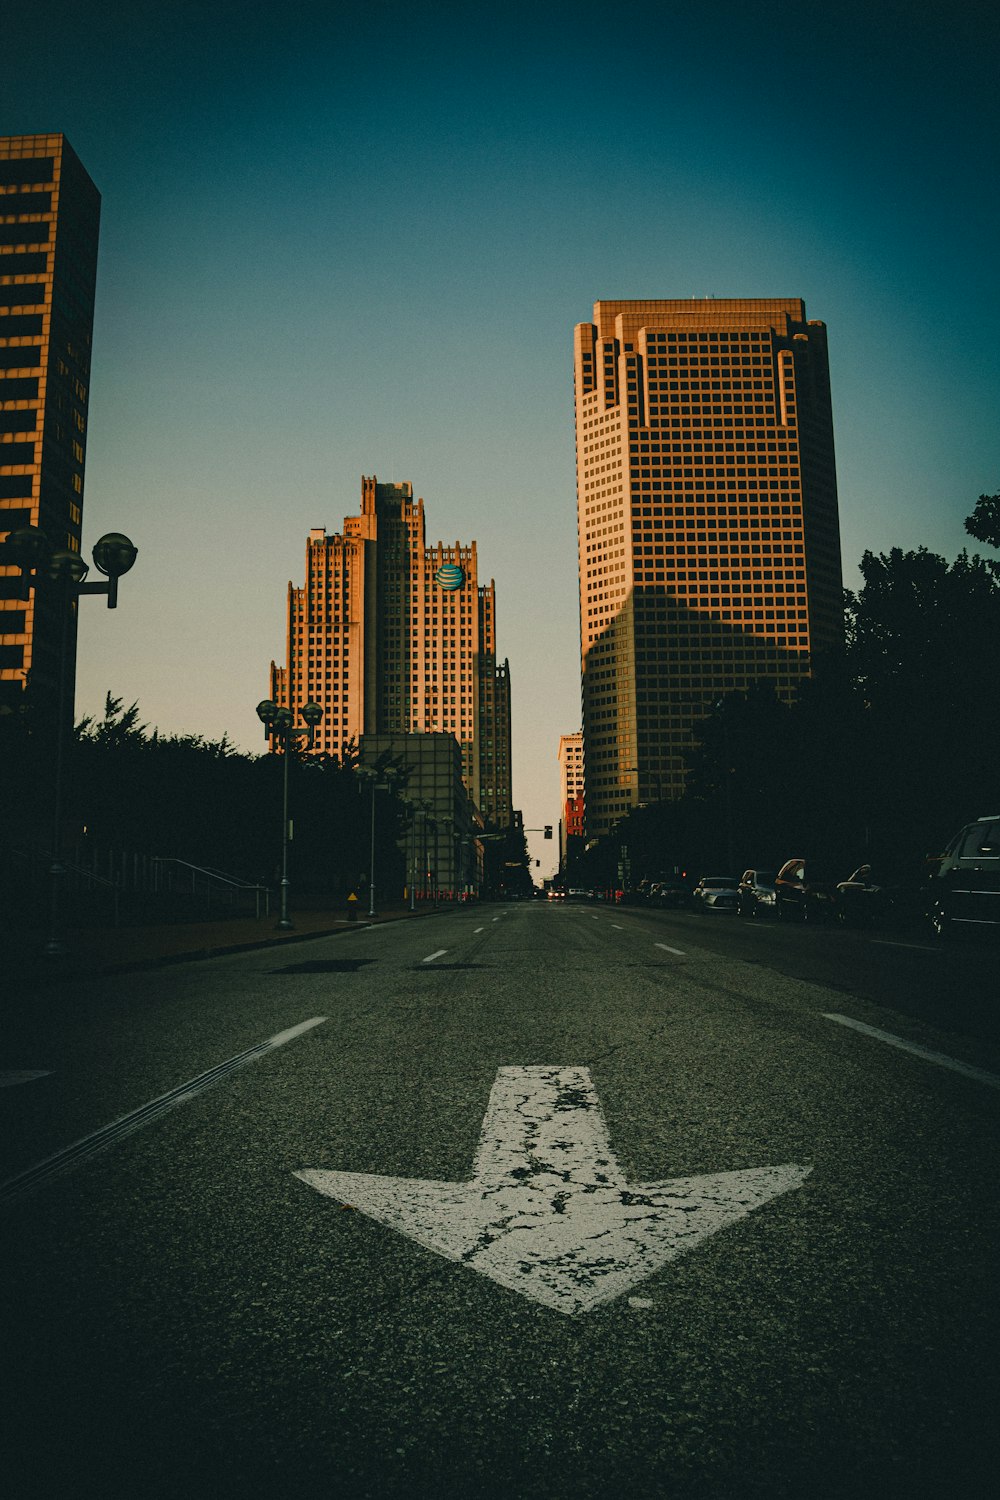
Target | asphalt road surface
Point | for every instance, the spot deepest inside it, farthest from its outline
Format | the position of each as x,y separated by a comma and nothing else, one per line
527,1200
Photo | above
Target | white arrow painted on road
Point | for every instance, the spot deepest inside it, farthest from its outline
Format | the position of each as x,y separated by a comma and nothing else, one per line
548,1212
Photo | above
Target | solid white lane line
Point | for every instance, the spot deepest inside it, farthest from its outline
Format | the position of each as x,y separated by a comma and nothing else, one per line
919,947
432,956
941,1059
13,1076
109,1135
667,949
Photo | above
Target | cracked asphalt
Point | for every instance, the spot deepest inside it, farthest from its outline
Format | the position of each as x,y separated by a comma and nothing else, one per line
186,1315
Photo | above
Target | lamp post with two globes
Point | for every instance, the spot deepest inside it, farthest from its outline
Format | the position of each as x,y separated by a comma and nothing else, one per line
279,725
64,571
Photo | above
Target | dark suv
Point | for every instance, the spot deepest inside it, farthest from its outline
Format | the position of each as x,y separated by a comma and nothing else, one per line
965,888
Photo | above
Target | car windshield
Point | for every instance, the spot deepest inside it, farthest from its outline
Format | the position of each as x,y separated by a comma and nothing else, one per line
720,883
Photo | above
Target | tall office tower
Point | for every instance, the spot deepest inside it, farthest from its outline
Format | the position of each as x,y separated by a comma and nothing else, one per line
391,636
49,221
709,543
571,797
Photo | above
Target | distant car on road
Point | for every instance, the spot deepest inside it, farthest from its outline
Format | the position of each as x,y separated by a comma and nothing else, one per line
964,890
716,893
672,892
805,891
756,893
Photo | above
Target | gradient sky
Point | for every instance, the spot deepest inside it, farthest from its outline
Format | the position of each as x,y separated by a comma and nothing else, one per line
355,239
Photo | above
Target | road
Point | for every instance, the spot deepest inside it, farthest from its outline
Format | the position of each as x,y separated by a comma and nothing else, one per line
806,1215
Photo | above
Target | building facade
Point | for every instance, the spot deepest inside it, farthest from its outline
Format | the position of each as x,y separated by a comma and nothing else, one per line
442,853
708,531
49,225
571,791
393,637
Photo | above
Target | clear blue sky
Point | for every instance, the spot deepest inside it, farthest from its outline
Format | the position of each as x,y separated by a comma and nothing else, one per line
344,239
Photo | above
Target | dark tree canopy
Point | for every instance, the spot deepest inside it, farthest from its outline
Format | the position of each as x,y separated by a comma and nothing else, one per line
984,523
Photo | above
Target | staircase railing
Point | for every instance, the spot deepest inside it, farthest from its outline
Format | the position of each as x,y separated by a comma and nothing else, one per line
176,874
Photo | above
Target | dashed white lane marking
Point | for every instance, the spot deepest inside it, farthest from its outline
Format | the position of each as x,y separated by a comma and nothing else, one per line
108,1135
618,927
432,956
941,1059
667,949
479,929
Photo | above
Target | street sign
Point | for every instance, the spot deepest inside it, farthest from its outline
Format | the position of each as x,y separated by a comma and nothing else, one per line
548,1212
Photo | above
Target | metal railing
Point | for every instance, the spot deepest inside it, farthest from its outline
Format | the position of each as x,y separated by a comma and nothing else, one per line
178,875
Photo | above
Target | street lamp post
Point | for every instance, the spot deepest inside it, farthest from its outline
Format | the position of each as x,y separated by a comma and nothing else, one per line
386,781
426,872
279,725
29,549
368,773
411,808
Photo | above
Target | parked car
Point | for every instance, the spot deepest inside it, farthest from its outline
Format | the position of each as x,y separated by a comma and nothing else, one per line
805,891
716,893
862,899
964,890
756,893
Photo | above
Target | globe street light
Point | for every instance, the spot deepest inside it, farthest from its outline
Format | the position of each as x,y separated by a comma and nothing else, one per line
60,568
279,725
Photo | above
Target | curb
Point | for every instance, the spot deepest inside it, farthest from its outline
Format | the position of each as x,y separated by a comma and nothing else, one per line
37,971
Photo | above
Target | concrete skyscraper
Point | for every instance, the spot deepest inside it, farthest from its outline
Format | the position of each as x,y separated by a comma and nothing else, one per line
571,800
49,224
709,544
394,637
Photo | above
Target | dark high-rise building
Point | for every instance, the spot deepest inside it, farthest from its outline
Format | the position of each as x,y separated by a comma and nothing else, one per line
708,532
49,223
393,637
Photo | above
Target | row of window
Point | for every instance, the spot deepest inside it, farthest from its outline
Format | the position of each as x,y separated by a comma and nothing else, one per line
32,233
26,171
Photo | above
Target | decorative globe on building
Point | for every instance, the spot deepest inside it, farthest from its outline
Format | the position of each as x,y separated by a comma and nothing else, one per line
449,577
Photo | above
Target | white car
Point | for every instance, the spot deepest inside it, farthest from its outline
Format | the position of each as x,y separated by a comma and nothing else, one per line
717,893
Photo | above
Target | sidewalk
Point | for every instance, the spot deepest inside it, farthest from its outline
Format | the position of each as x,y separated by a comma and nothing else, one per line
115,950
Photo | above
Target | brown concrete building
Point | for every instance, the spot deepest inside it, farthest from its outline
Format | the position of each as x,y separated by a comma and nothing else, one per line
571,791
708,532
394,637
49,224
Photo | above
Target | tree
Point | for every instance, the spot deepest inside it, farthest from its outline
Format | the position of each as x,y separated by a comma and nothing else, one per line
984,523
923,639
183,797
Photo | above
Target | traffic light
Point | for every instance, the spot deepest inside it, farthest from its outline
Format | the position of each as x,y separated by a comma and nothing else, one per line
548,830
